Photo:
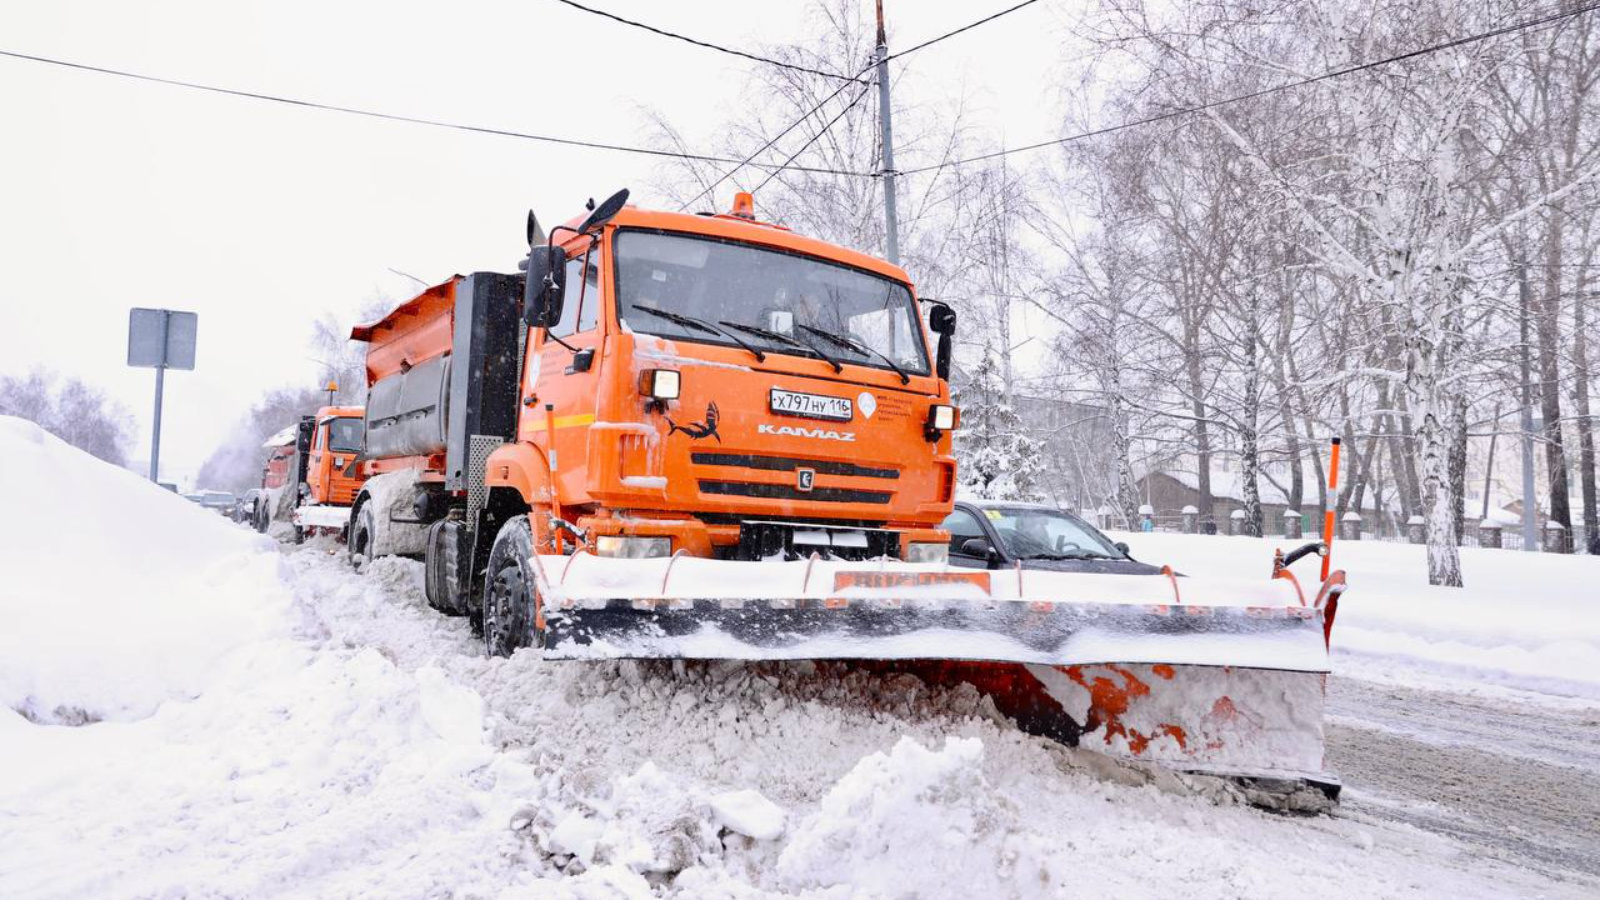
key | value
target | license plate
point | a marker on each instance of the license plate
(812, 406)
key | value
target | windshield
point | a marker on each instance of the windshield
(345, 435)
(725, 285)
(1045, 534)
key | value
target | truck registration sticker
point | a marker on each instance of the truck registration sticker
(812, 406)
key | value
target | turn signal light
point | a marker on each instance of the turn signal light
(660, 384)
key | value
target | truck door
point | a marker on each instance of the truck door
(302, 452)
(569, 381)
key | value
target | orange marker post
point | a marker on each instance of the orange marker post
(1333, 502)
(550, 461)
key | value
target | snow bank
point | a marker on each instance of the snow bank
(117, 594)
(1525, 621)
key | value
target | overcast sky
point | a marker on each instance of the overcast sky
(261, 217)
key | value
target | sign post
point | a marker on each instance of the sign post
(161, 339)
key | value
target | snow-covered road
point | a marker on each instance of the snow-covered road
(269, 723)
(1517, 779)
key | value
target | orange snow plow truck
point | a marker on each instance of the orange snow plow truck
(332, 439)
(706, 437)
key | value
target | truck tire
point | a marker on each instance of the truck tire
(508, 591)
(363, 535)
(444, 569)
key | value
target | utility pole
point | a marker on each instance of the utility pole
(891, 220)
(1530, 530)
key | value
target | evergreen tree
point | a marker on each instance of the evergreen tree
(995, 458)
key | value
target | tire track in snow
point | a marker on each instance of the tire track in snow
(1521, 784)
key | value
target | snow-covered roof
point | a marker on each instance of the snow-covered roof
(282, 438)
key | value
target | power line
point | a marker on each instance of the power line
(820, 132)
(1325, 76)
(395, 117)
(707, 44)
(951, 34)
(763, 148)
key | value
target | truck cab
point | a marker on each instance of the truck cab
(335, 443)
(725, 387)
(332, 477)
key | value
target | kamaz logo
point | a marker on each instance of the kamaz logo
(819, 433)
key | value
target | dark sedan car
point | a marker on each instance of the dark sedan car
(992, 534)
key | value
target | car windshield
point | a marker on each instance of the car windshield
(769, 299)
(1047, 534)
(345, 435)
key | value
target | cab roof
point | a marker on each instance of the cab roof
(753, 231)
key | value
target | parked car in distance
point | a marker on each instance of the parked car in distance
(993, 534)
(220, 502)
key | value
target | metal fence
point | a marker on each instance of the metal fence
(1510, 537)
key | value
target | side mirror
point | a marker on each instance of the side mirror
(544, 293)
(980, 548)
(942, 319)
(1122, 547)
(605, 211)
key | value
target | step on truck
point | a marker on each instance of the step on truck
(708, 437)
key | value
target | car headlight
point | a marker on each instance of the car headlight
(661, 384)
(616, 546)
(920, 552)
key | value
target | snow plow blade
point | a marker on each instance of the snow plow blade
(1226, 679)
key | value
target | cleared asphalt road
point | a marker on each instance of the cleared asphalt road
(1516, 779)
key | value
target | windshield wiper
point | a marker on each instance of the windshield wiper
(700, 325)
(863, 349)
(1077, 554)
(785, 339)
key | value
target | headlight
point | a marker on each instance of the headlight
(941, 418)
(928, 553)
(615, 546)
(660, 384)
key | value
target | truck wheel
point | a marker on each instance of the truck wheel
(508, 593)
(362, 537)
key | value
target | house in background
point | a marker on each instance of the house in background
(1170, 491)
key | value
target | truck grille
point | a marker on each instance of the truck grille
(791, 463)
(787, 492)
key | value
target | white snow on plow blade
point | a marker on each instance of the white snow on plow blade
(686, 577)
(320, 516)
(1299, 650)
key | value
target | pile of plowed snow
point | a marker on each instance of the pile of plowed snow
(117, 594)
